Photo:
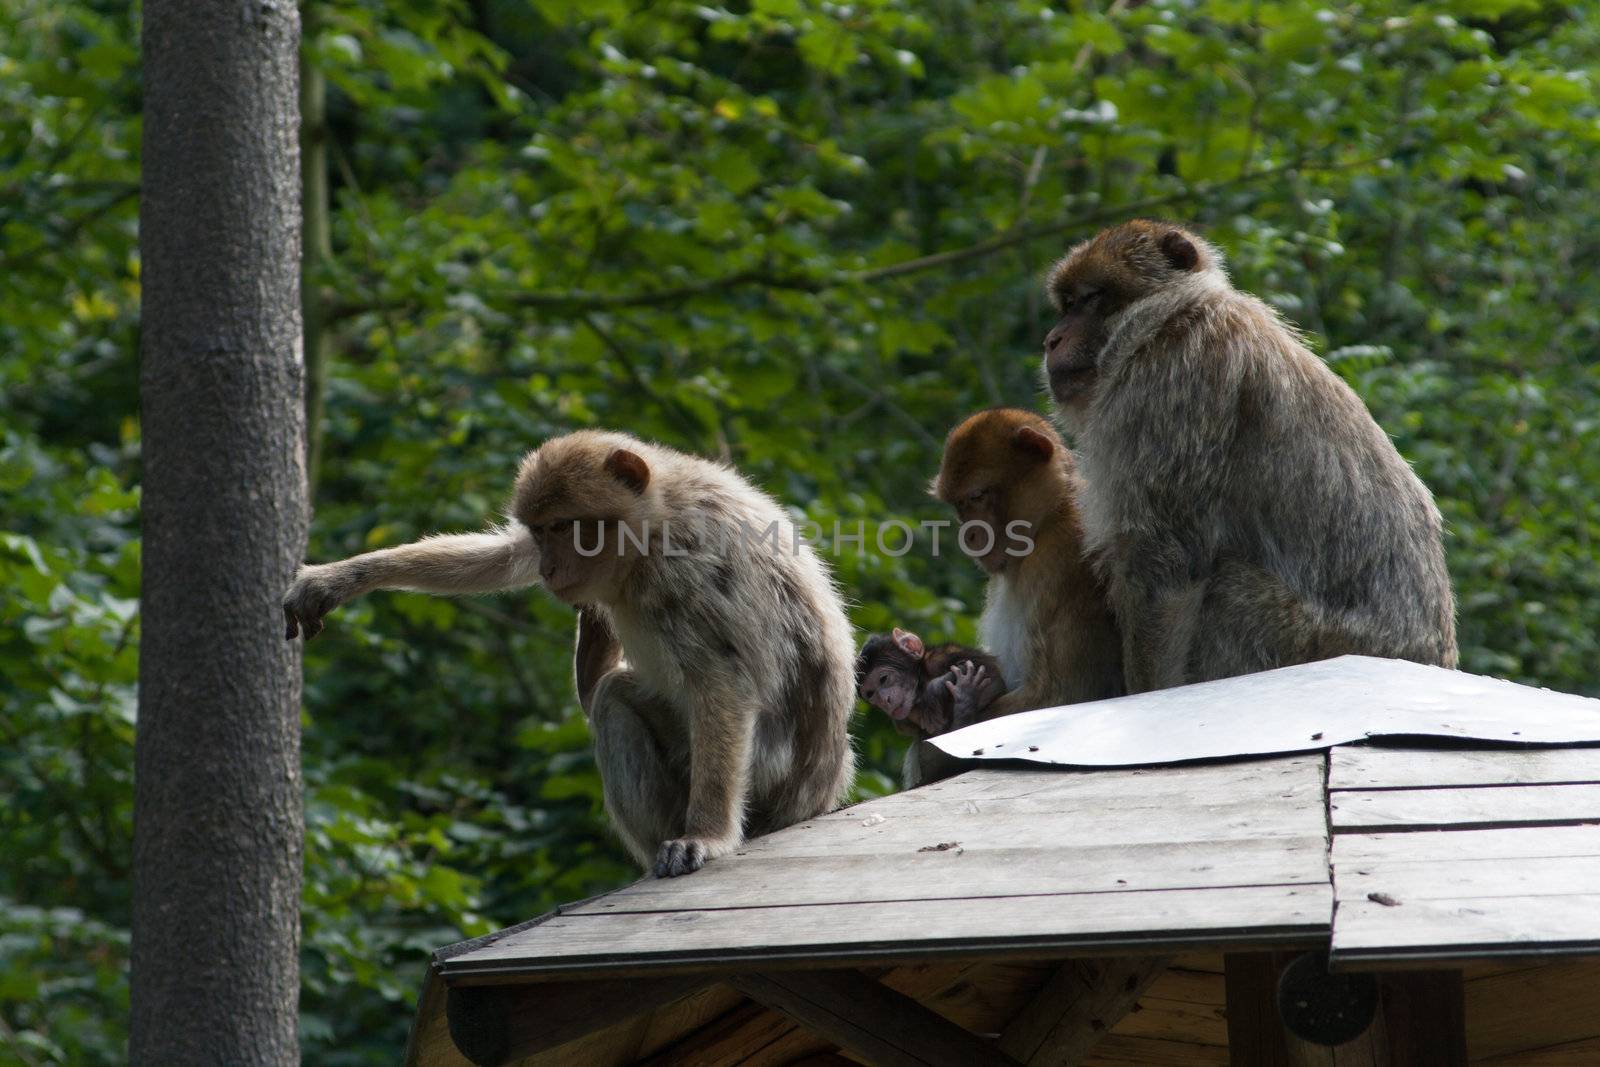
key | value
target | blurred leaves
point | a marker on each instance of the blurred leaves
(804, 236)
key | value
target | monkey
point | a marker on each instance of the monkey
(1243, 506)
(713, 658)
(916, 685)
(1046, 619)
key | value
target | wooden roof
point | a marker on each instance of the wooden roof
(1383, 855)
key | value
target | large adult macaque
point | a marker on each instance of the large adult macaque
(713, 659)
(1247, 511)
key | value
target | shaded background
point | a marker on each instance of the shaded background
(804, 236)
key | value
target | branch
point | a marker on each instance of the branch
(580, 300)
(56, 241)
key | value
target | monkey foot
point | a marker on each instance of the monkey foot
(682, 856)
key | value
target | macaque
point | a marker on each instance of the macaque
(1046, 620)
(713, 656)
(1244, 508)
(926, 691)
(1014, 488)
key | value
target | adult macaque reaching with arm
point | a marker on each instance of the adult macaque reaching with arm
(713, 656)
(1247, 511)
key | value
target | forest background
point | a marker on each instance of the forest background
(805, 236)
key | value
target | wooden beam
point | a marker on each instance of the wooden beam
(497, 1024)
(1424, 1013)
(869, 1019)
(1255, 1033)
(1083, 1000)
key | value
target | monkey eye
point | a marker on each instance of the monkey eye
(975, 497)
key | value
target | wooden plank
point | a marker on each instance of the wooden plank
(1452, 879)
(869, 1019)
(1100, 923)
(1584, 1053)
(1057, 790)
(1081, 1002)
(1255, 1032)
(1117, 1050)
(1485, 806)
(1376, 767)
(1367, 932)
(1427, 846)
(740, 1036)
(761, 879)
(669, 1023)
(978, 997)
(1184, 1003)
(496, 1024)
(1177, 1020)
(1296, 816)
(1534, 1008)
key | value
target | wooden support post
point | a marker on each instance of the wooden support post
(1330, 1020)
(867, 1018)
(1290, 1011)
(1081, 1001)
(1255, 1033)
(1425, 1016)
(497, 1024)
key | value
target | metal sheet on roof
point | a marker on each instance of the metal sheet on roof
(1294, 709)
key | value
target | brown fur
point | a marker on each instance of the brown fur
(1047, 619)
(1245, 509)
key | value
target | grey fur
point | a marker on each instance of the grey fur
(716, 671)
(1247, 510)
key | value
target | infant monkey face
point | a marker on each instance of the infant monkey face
(890, 690)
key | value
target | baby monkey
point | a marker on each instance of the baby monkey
(926, 691)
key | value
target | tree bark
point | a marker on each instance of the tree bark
(316, 251)
(217, 793)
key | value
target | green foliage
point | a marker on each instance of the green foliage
(706, 224)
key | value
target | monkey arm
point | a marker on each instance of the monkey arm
(488, 562)
(598, 652)
(1009, 704)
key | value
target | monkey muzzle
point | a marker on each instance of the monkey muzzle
(894, 701)
(1069, 363)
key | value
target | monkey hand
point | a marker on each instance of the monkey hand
(930, 716)
(316, 591)
(684, 855)
(971, 690)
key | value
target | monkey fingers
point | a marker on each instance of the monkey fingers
(682, 856)
(970, 690)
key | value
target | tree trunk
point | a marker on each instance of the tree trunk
(217, 793)
(317, 252)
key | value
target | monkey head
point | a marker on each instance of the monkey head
(889, 672)
(1099, 279)
(1002, 466)
(576, 494)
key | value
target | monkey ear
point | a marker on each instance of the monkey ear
(1027, 439)
(909, 642)
(1179, 250)
(629, 468)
